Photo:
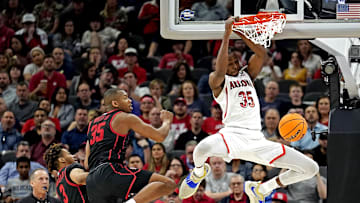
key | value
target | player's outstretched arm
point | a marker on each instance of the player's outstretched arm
(87, 154)
(257, 60)
(217, 77)
(79, 176)
(146, 130)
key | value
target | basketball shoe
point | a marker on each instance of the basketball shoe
(191, 183)
(251, 188)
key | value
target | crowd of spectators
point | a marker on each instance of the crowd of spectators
(58, 57)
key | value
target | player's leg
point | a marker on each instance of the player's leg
(299, 166)
(156, 187)
(96, 186)
(213, 145)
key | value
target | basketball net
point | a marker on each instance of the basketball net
(262, 27)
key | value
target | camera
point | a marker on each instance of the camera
(354, 53)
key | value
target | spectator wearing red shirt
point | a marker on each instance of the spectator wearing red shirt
(199, 196)
(31, 123)
(46, 81)
(149, 16)
(170, 59)
(237, 187)
(32, 127)
(181, 121)
(132, 65)
(146, 104)
(5, 34)
(214, 123)
(118, 59)
(150, 12)
(32, 35)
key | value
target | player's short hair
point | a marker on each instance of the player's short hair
(111, 94)
(52, 155)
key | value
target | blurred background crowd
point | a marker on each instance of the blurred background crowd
(58, 57)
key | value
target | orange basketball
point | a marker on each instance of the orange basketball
(292, 127)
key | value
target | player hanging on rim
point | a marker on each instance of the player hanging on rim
(241, 138)
(109, 178)
(70, 185)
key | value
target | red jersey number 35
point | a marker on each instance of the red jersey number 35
(97, 133)
(247, 99)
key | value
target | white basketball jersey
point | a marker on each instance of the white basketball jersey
(239, 102)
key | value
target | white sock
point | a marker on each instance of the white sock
(269, 186)
(199, 171)
(131, 201)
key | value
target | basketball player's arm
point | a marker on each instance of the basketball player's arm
(87, 154)
(321, 187)
(217, 77)
(146, 130)
(257, 60)
(78, 176)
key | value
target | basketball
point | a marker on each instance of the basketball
(292, 127)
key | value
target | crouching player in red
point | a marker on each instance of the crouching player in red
(71, 182)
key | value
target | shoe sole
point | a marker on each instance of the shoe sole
(186, 191)
(250, 193)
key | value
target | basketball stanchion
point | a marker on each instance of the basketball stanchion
(261, 28)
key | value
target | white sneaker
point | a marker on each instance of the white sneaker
(191, 183)
(251, 188)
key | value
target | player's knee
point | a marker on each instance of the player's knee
(170, 185)
(311, 168)
(202, 148)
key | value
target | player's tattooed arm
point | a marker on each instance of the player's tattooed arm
(79, 176)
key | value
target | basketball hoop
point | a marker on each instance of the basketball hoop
(262, 27)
